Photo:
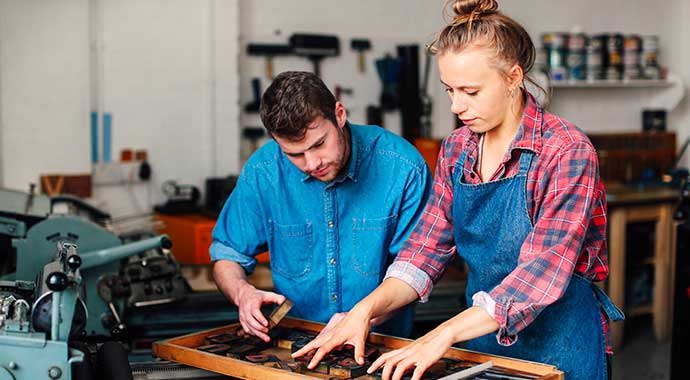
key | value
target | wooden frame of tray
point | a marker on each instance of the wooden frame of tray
(183, 350)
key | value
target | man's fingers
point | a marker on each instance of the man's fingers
(273, 297)
(258, 316)
(255, 324)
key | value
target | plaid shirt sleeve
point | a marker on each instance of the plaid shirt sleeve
(422, 258)
(548, 256)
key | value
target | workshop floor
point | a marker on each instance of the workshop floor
(641, 357)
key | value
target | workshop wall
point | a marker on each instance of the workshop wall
(169, 76)
(44, 89)
(166, 70)
(391, 22)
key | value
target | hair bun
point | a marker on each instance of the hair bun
(468, 10)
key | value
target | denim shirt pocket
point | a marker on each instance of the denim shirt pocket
(291, 249)
(370, 240)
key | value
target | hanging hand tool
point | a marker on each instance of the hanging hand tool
(360, 45)
(254, 105)
(315, 47)
(388, 69)
(269, 51)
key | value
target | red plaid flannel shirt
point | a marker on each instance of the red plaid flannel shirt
(567, 205)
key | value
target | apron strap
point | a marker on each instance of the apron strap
(610, 309)
(525, 161)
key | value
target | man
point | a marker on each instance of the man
(331, 201)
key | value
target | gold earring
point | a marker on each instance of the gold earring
(512, 92)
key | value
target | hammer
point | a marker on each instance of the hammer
(360, 45)
(315, 47)
(269, 51)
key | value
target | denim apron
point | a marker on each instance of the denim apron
(491, 223)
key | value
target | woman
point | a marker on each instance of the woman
(517, 195)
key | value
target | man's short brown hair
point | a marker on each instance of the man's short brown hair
(293, 101)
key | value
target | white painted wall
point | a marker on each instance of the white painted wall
(165, 69)
(680, 118)
(44, 91)
(169, 78)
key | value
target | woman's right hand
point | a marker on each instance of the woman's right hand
(352, 329)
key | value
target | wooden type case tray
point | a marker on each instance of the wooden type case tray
(184, 350)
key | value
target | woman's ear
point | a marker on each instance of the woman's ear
(515, 76)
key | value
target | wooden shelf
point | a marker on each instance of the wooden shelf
(636, 83)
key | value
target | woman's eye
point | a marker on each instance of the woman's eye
(471, 93)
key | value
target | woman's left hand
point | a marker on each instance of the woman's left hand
(418, 356)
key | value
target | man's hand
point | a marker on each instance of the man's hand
(249, 302)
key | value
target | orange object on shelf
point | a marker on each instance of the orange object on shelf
(191, 237)
(429, 149)
(126, 155)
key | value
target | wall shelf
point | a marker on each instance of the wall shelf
(637, 83)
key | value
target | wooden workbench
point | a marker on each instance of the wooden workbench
(630, 205)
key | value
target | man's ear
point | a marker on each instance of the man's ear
(340, 114)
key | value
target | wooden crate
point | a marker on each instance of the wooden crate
(183, 350)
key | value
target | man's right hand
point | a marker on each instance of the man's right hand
(249, 302)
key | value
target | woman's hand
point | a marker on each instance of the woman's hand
(418, 356)
(352, 329)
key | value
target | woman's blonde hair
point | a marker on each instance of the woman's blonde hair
(480, 23)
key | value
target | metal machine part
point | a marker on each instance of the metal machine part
(164, 370)
(20, 202)
(30, 351)
(153, 279)
(101, 255)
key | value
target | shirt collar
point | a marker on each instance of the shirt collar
(352, 171)
(530, 132)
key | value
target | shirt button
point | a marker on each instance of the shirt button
(334, 297)
(330, 224)
(332, 261)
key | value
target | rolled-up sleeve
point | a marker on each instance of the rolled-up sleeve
(240, 232)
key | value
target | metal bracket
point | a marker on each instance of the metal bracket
(12, 227)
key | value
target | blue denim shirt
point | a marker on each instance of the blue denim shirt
(330, 243)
